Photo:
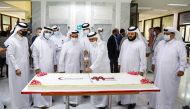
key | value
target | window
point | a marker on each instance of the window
(156, 22)
(6, 22)
(148, 24)
(140, 26)
(167, 21)
(184, 25)
(187, 36)
(163, 22)
(13, 21)
(182, 31)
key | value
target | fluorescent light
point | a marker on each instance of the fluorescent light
(186, 23)
(178, 4)
(162, 10)
(144, 8)
(5, 7)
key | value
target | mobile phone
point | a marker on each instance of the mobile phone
(6, 46)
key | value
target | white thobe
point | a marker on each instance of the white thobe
(18, 58)
(58, 41)
(132, 58)
(100, 64)
(169, 58)
(71, 61)
(85, 43)
(44, 58)
(1, 106)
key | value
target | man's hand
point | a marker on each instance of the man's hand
(180, 73)
(153, 67)
(88, 70)
(147, 54)
(55, 68)
(86, 62)
(85, 53)
(37, 71)
(18, 72)
(2, 50)
(141, 73)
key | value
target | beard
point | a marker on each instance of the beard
(132, 39)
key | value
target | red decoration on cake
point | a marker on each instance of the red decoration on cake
(41, 74)
(133, 73)
(145, 81)
(35, 82)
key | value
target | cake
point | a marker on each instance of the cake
(88, 81)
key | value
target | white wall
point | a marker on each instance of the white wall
(112, 13)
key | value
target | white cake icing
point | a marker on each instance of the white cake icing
(77, 81)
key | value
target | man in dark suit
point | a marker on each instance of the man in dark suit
(113, 50)
(121, 36)
(38, 32)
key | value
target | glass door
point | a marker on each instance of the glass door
(134, 16)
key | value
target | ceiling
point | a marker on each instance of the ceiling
(156, 8)
(5, 7)
(19, 9)
(147, 8)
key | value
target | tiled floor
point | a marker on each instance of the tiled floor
(183, 97)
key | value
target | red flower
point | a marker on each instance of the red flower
(35, 82)
(41, 74)
(145, 81)
(133, 73)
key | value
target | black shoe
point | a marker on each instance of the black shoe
(119, 103)
(131, 106)
(134, 105)
(5, 107)
(101, 107)
(86, 96)
(43, 107)
(73, 105)
(32, 104)
(53, 100)
(186, 107)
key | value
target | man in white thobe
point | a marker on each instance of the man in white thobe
(99, 64)
(44, 59)
(58, 40)
(71, 61)
(170, 62)
(83, 38)
(18, 61)
(100, 31)
(132, 58)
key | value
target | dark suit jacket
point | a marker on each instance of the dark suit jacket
(119, 38)
(113, 53)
